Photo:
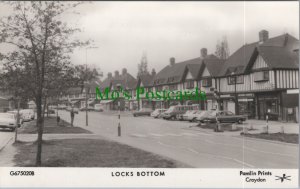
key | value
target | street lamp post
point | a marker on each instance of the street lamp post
(86, 81)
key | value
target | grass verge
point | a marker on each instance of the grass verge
(51, 127)
(89, 153)
(224, 126)
(282, 137)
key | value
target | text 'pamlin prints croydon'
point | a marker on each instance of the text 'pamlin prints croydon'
(150, 95)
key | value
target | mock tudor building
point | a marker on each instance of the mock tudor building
(264, 77)
(125, 81)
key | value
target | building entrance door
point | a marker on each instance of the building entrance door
(266, 104)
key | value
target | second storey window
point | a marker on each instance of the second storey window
(236, 80)
(158, 88)
(261, 76)
(189, 84)
(173, 87)
(206, 82)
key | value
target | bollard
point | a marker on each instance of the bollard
(119, 129)
(233, 127)
(245, 130)
(251, 127)
(282, 129)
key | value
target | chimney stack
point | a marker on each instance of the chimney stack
(109, 75)
(172, 61)
(153, 73)
(263, 36)
(203, 52)
(116, 73)
(124, 71)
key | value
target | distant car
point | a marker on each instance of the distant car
(225, 117)
(99, 108)
(9, 120)
(28, 114)
(142, 112)
(190, 115)
(201, 115)
(176, 112)
(61, 107)
(158, 113)
(88, 108)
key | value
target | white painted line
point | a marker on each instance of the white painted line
(222, 157)
(155, 134)
(138, 135)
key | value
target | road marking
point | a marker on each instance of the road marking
(189, 134)
(166, 145)
(157, 135)
(222, 157)
(248, 148)
(138, 135)
(172, 134)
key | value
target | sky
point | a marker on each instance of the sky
(124, 31)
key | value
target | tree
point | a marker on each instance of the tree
(86, 73)
(41, 55)
(143, 66)
(222, 48)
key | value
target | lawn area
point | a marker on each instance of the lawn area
(51, 127)
(282, 137)
(89, 153)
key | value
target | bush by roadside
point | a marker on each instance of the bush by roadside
(89, 153)
(51, 127)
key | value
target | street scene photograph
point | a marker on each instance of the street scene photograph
(150, 84)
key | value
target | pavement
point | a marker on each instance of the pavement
(6, 150)
(190, 145)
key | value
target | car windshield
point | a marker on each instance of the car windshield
(7, 115)
(170, 109)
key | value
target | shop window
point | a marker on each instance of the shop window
(207, 82)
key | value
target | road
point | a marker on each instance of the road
(195, 148)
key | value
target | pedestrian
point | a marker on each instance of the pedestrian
(72, 115)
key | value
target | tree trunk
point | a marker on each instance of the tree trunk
(39, 124)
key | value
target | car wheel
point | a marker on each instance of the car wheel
(13, 129)
(194, 120)
(240, 121)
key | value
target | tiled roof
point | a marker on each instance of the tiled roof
(126, 81)
(146, 80)
(175, 73)
(278, 52)
(214, 65)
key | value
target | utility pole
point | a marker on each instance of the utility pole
(86, 82)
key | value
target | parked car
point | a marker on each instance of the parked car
(201, 115)
(15, 112)
(225, 117)
(176, 112)
(158, 113)
(9, 121)
(61, 107)
(99, 108)
(190, 115)
(142, 112)
(28, 114)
